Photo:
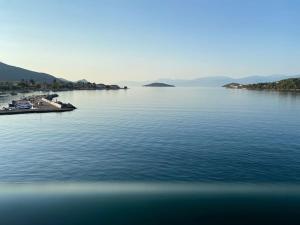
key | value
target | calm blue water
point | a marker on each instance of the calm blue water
(157, 134)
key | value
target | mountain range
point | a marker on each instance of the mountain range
(213, 81)
(13, 73)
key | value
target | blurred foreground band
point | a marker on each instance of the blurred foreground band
(148, 203)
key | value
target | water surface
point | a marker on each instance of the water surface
(157, 134)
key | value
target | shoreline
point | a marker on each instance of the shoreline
(266, 89)
(16, 92)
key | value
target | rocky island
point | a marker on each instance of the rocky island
(291, 84)
(158, 85)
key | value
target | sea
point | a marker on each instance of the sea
(154, 156)
(179, 134)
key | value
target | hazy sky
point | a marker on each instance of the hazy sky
(113, 40)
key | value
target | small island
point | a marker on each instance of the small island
(291, 84)
(158, 85)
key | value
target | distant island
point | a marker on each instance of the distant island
(158, 85)
(15, 80)
(291, 84)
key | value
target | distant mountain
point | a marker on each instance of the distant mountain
(12, 73)
(216, 81)
(219, 81)
(158, 85)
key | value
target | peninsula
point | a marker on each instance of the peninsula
(18, 80)
(158, 85)
(291, 84)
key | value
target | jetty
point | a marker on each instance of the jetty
(37, 104)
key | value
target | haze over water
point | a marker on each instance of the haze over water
(157, 134)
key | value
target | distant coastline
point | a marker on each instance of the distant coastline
(27, 86)
(15, 80)
(291, 84)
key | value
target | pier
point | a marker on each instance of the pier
(37, 104)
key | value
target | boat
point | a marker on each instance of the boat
(22, 104)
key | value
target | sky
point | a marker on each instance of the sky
(116, 40)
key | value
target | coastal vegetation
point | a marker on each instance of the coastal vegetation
(291, 84)
(56, 85)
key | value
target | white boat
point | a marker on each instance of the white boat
(23, 105)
